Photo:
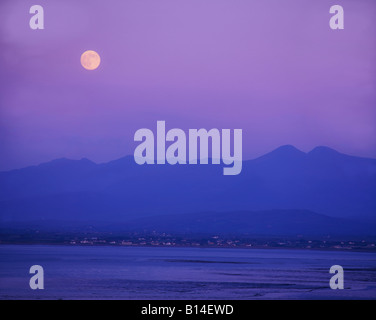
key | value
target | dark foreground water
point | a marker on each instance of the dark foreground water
(74, 272)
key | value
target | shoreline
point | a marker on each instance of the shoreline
(359, 250)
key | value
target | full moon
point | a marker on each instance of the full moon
(90, 60)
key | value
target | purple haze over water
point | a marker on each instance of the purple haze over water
(183, 273)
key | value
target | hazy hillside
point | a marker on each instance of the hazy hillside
(323, 181)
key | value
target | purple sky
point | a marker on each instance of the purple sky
(272, 68)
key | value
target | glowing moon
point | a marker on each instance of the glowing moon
(90, 60)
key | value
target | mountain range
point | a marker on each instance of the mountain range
(322, 181)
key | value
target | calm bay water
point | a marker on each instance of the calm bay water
(77, 272)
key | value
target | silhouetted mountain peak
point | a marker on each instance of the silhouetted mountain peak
(64, 162)
(284, 153)
(288, 149)
(323, 181)
(322, 150)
